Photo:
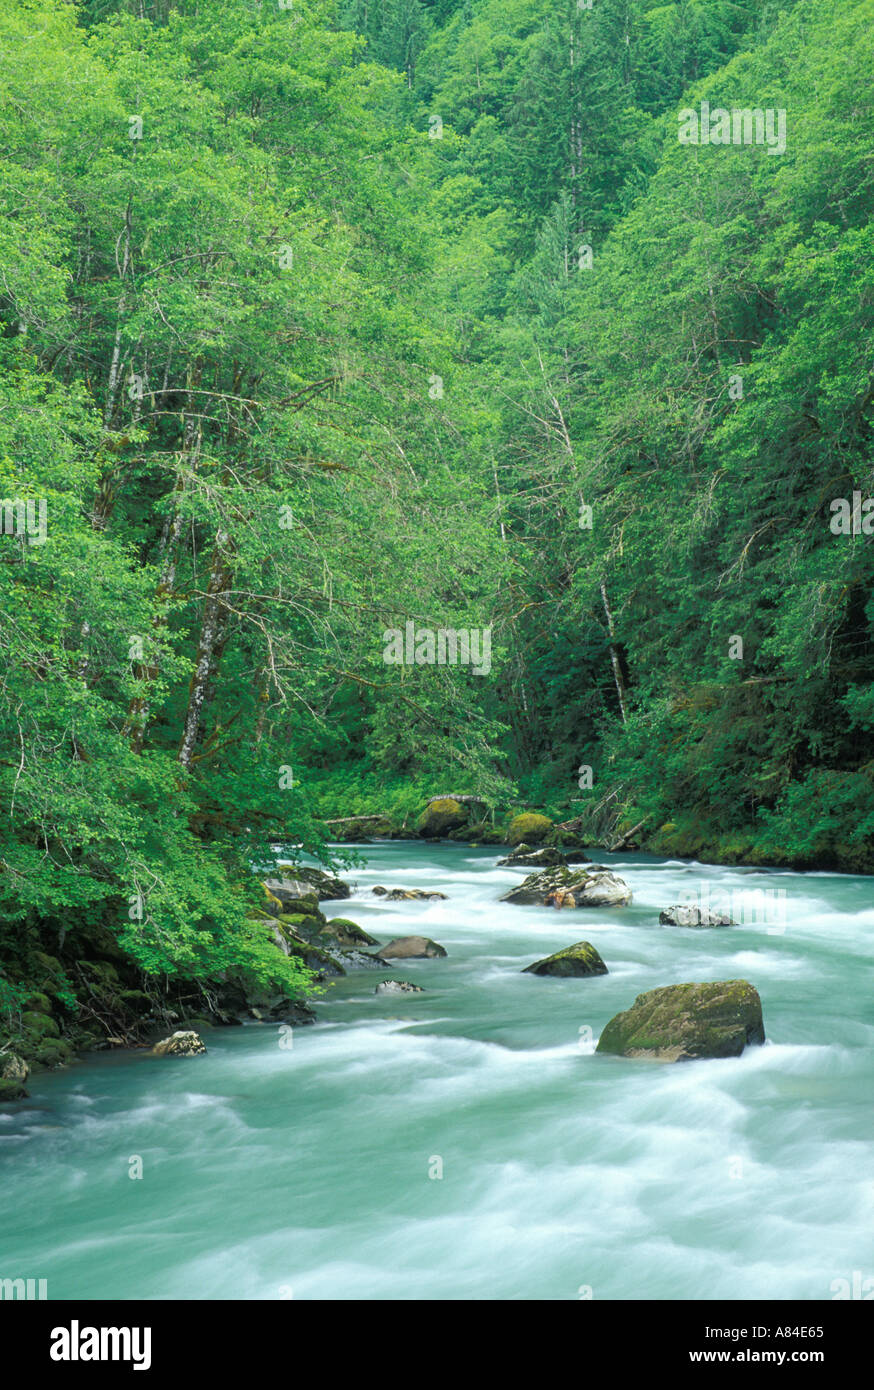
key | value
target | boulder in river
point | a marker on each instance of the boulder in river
(683, 1022)
(347, 933)
(301, 881)
(529, 828)
(595, 887)
(524, 857)
(397, 895)
(410, 947)
(688, 915)
(181, 1044)
(352, 959)
(579, 959)
(439, 817)
(398, 987)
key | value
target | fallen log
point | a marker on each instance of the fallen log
(455, 796)
(347, 820)
(623, 839)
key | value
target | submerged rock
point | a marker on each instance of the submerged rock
(524, 857)
(579, 959)
(686, 915)
(439, 817)
(397, 895)
(397, 987)
(410, 947)
(680, 1022)
(595, 887)
(182, 1044)
(528, 828)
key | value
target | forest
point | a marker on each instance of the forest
(544, 326)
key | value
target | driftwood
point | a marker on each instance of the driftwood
(623, 839)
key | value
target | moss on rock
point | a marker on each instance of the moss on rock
(528, 828)
(680, 1022)
(347, 933)
(577, 960)
(441, 817)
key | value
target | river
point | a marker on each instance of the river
(467, 1143)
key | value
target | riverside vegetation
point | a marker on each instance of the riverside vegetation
(322, 321)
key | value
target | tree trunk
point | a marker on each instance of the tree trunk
(614, 657)
(208, 646)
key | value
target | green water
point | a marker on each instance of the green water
(310, 1171)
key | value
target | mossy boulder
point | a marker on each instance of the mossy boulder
(579, 959)
(323, 965)
(529, 829)
(39, 1026)
(307, 906)
(11, 1090)
(347, 933)
(441, 817)
(302, 924)
(39, 1003)
(52, 1052)
(688, 1021)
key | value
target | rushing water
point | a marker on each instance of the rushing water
(311, 1171)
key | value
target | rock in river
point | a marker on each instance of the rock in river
(524, 857)
(398, 895)
(183, 1044)
(347, 933)
(688, 915)
(410, 947)
(681, 1022)
(298, 882)
(595, 887)
(397, 987)
(580, 959)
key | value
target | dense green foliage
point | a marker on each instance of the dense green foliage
(321, 319)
